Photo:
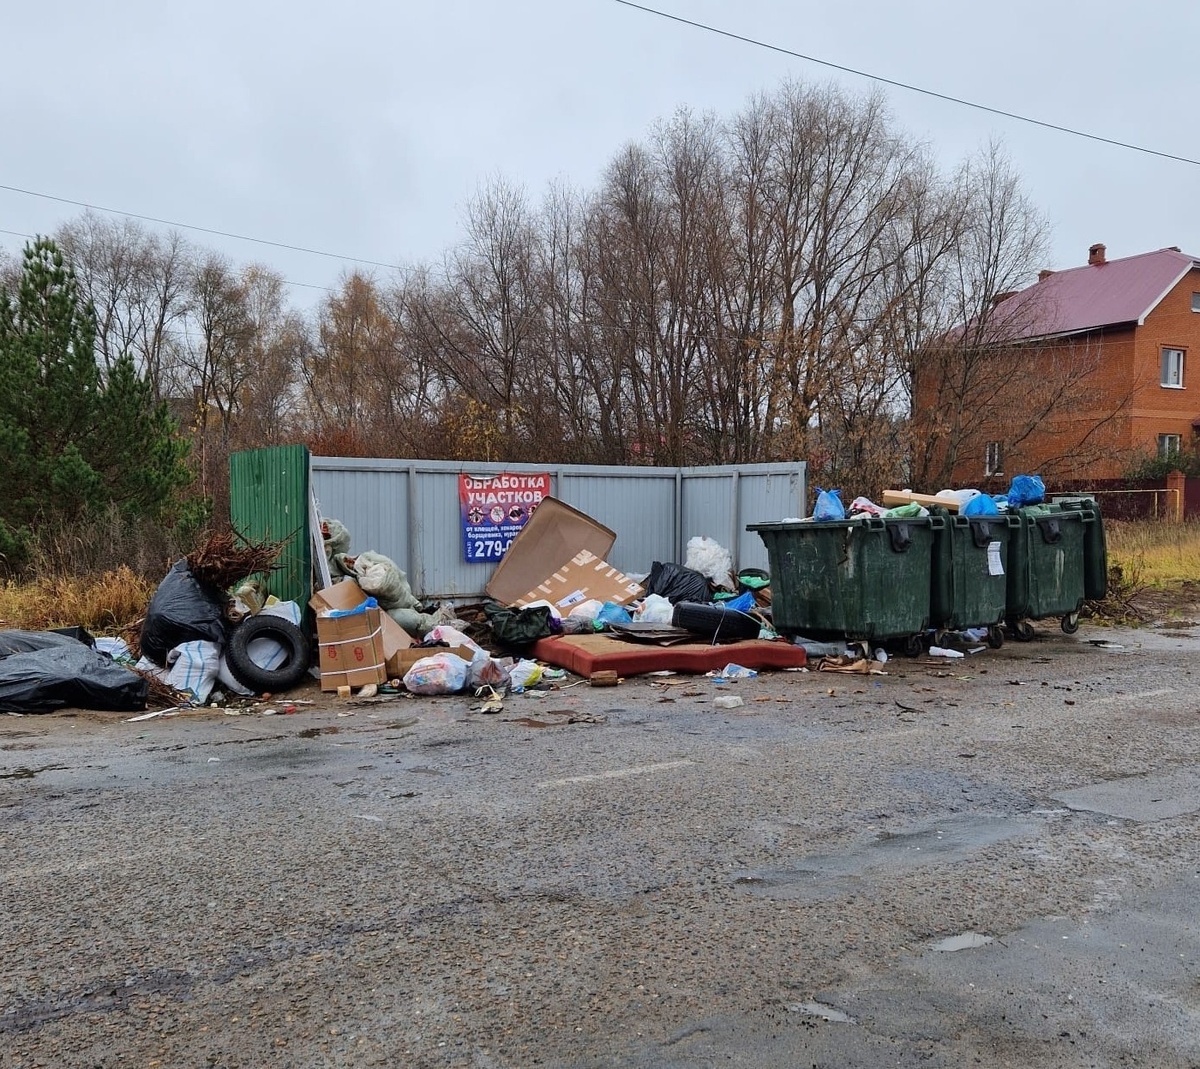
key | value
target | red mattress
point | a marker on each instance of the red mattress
(585, 654)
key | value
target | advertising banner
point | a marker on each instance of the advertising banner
(494, 508)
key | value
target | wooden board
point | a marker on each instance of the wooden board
(892, 498)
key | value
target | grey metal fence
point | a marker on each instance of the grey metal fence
(408, 510)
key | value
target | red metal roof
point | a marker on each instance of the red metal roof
(1096, 295)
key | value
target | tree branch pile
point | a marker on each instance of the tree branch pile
(221, 562)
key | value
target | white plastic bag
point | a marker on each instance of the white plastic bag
(709, 558)
(443, 673)
(523, 675)
(452, 636)
(586, 610)
(655, 609)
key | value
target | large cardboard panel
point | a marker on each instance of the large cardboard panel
(351, 650)
(552, 537)
(346, 595)
(583, 578)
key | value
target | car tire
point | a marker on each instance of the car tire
(268, 680)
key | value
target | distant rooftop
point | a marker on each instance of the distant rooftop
(1102, 293)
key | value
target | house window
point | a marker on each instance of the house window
(1172, 369)
(1196, 302)
(994, 464)
(1168, 445)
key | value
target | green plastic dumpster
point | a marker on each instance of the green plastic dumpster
(970, 573)
(1046, 567)
(866, 578)
(1095, 550)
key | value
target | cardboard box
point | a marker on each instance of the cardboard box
(551, 538)
(584, 577)
(346, 595)
(351, 649)
(405, 659)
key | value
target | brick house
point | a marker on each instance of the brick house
(1130, 330)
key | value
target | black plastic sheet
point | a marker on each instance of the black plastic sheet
(41, 672)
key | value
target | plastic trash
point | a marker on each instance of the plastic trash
(940, 651)
(980, 505)
(586, 610)
(728, 701)
(710, 559)
(182, 610)
(655, 609)
(48, 672)
(737, 671)
(865, 505)
(443, 673)
(1026, 490)
(523, 675)
(910, 511)
(829, 505)
(677, 583)
(611, 613)
(816, 648)
(742, 603)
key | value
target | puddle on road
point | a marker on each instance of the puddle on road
(819, 1009)
(965, 941)
(947, 842)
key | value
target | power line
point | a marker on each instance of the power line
(198, 229)
(905, 85)
(285, 281)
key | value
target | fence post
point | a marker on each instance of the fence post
(1176, 481)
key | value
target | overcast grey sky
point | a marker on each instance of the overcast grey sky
(362, 128)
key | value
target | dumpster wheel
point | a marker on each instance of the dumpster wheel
(914, 646)
(1021, 630)
(1070, 623)
(995, 636)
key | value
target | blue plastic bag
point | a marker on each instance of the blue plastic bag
(611, 613)
(1026, 490)
(981, 505)
(742, 603)
(829, 505)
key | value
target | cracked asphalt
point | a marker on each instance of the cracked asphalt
(646, 881)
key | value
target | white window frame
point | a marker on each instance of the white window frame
(1168, 444)
(993, 461)
(1167, 372)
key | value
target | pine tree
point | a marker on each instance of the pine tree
(71, 442)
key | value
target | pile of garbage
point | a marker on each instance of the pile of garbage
(373, 632)
(196, 634)
(904, 504)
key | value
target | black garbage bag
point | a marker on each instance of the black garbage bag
(677, 583)
(50, 675)
(182, 610)
(26, 641)
(521, 627)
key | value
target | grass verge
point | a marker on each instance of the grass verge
(103, 603)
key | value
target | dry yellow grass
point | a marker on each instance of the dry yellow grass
(101, 603)
(1159, 554)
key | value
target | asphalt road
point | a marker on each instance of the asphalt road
(992, 861)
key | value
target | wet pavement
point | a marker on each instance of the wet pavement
(992, 860)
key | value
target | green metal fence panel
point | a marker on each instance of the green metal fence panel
(268, 499)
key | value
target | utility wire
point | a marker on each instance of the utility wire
(198, 229)
(905, 85)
